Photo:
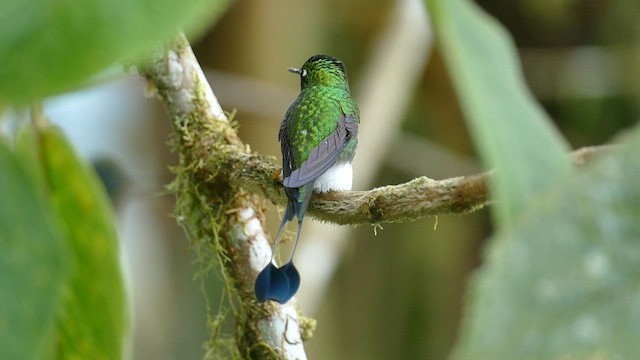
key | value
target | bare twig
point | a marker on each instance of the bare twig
(588, 153)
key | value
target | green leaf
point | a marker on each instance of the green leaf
(50, 46)
(92, 319)
(34, 264)
(563, 284)
(511, 131)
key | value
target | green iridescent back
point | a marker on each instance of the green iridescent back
(324, 99)
(314, 115)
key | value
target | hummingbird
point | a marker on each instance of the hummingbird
(318, 138)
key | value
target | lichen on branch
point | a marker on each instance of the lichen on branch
(225, 223)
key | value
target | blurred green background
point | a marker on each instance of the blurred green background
(395, 295)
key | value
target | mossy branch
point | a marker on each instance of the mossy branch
(408, 201)
(225, 223)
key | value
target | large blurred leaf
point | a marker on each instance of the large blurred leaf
(92, 319)
(34, 264)
(512, 132)
(47, 46)
(564, 284)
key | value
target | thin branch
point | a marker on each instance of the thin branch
(409, 201)
(588, 153)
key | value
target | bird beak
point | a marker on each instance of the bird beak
(295, 70)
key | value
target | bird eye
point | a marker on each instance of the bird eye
(303, 73)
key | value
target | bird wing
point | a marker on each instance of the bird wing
(321, 157)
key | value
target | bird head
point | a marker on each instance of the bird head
(322, 70)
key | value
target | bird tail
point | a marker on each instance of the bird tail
(302, 198)
(289, 213)
(280, 284)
